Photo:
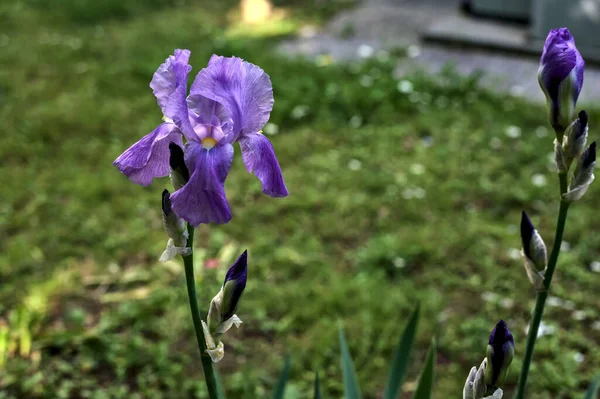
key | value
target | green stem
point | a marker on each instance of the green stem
(542, 295)
(207, 365)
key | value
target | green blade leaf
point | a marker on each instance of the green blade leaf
(425, 385)
(592, 392)
(401, 357)
(351, 387)
(317, 388)
(283, 378)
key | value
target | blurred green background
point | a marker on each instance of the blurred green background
(404, 189)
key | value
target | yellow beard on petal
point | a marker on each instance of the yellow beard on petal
(208, 143)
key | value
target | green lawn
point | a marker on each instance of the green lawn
(394, 198)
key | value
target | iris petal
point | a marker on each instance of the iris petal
(149, 157)
(259, 158)
(242, 88)
(202, 199)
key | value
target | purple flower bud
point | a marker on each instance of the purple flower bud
(589, 156)
(234, 285)
(500, 352)
(533, 244)
(561, 76)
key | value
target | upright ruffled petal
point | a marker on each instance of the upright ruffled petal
(171, 74)
(243, 88)
(202, 199)
(149, 157)
(259, 157)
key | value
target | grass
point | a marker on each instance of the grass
(395, 197)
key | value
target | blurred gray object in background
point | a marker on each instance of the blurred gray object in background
(582, 17)
(513, 9)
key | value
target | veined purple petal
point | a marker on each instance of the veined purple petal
(202, 199)
(243, 88)
(259, 157)
(171, 74)
(559, 58)
(149, 157)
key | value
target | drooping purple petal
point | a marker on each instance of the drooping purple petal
(560, 58)
(170, 75)
(202, 199)
(149, 157)
(243, 88)
(260, 159)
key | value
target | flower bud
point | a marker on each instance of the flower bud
(179, 172)
(468, 389)
(534, 252)
(479, 385)
(583, 175)
(561, 77)
(221, 315)
(575, 138)
(500, 352)
(175, 229)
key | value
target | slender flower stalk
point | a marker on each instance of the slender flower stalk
(542, 295)
(561, 78)
(207, 364)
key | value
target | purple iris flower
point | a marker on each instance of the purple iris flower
(229, 101)
(561, 75)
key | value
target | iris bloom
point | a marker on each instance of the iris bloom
(561, 76)
(229, 101)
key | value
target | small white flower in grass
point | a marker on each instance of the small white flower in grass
(354, 164)
(405, 86)
(271, 129)
(595, 266)
(417, 169)
(489, 296)
(419, 192)
(578, 357)
(407, 193)
(507, 303)
(365, 51)
(514, 253)
(555, 302)
(300, 111)
(366, 81)
(355, 122)
(399, 262)
(544, 329)
(513, 131)
(565, 246)
(579, 315)
(413, 51)
(538, 180)
(541, 131)
(596, 325)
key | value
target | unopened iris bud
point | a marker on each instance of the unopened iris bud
(575, 138)
(179, 172)
(561, 77)
(175, 229)
(583, 175)
(475, 387)
(534, 252)
(221, 314)
(500, 352)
